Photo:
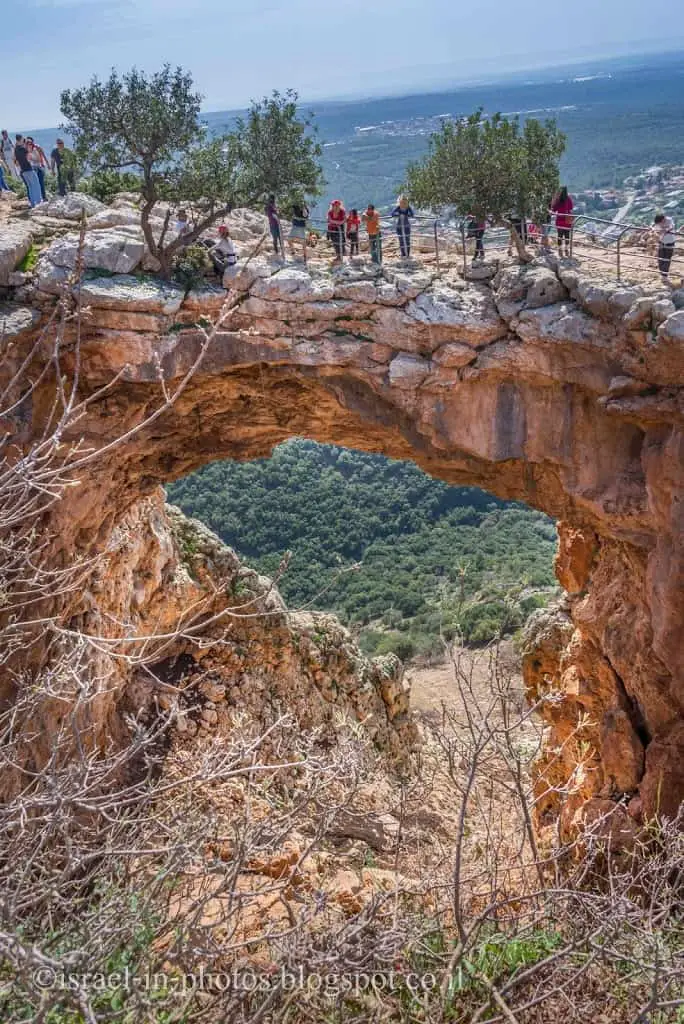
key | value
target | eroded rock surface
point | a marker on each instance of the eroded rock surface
(539, 386)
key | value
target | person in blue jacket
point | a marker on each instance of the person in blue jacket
(404, 213)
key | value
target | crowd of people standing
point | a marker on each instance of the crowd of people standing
(342, 229)
(25, 159)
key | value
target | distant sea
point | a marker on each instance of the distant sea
(619, 116)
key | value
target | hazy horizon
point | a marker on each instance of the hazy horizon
(438, 87)
(326, 53)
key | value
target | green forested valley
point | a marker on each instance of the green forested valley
(401, 558)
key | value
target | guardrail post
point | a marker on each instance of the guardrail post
(618, 248)
(436, 245)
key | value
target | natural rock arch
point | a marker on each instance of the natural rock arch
(537, 386)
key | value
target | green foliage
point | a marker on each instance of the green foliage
(489, 167)
(191, 265)
(436, 561)
(133, 121)
(151, 125)
(278, 151)
(16, 184)
(105, 184)
(30, 259)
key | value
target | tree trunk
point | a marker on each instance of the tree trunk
(523, 255)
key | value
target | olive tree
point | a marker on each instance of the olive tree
(490, 167)
(151, 125)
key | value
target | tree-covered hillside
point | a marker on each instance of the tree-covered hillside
(433, 559)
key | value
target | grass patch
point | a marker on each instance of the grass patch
(30, 259)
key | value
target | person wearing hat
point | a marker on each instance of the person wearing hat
(223, 251)
(337, 217)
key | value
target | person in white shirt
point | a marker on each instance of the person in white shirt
(664, 229)
(223, 252)
(182, 225)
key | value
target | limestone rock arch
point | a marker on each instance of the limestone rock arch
(537, 386)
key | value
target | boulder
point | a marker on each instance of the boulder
(131, 295)
(73, 205)
(481, 272)
(470, 313)
(607, 300)
(454, 354)
(672, 329)
(247, 225)
(293, 285)
(51, 279)
(114, 217)
(16, 319)
(408, 371)
(638, 315)
(16, 238)
(527, 287)
(118, 250)
(662, 309)
(241, 277)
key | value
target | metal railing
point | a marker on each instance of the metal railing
(424, 230)
(594, 239)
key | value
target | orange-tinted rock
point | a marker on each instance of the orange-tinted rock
(534, 416)
(576, 552)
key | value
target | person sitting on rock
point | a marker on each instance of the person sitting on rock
(223, 251)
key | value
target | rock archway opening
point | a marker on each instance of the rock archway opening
(406, 562)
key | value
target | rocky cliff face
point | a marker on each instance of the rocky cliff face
(535, 384)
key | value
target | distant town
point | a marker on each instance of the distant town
(655, 188)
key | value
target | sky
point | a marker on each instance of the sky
(241, 50)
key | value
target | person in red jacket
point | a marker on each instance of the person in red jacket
(562, 206)
(337, 217)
